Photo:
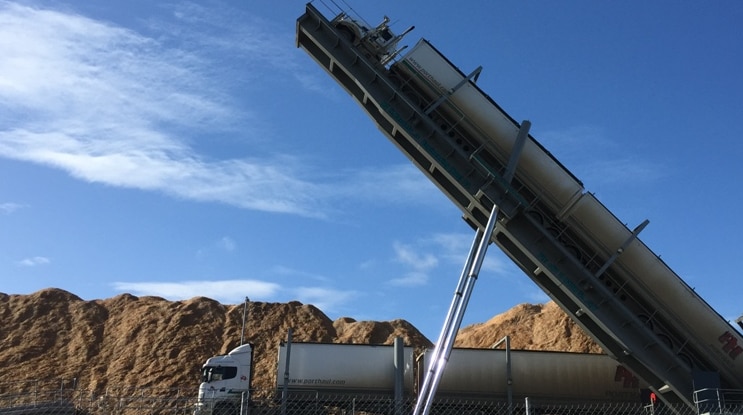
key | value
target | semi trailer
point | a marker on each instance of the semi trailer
(327, 372)
(561, 236)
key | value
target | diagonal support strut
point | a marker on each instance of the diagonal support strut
(465, 286)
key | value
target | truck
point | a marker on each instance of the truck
(225, 382)
(372, 376)
(561, 236)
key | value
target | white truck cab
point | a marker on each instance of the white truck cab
(225, 382)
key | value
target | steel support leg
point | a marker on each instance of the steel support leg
(443, 347)
(462, 295)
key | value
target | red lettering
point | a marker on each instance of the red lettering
(626, 377)
(730, 344)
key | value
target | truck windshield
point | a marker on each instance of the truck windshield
(214, 373)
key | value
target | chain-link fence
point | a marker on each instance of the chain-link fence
(63, 398)
(59, 397)
(719, 401)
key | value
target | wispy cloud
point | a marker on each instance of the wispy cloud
(454, 248)
(214, 247)
(224, 291)
(34, 261)
(327, 299)
(626, 170)
(598, 160)
(423, 256)
(400, 183)
(228, 244)
(113, 106)
(285, 271)
(9, 207)
(418, 265)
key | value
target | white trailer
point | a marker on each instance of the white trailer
(328, 369)
(374, 375)
(470, 115)
(659, 298)
(544, 377)
(679, 318)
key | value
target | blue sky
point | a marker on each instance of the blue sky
(184, 149)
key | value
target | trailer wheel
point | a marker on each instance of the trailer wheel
(685, 357)
(395, 79)
(646, 320)
(665, 339)
(414, 98)
(347, 34)
(536, 216)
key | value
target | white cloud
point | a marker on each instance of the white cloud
(411, 279)
(9, 207)
(224, 291)
(598, 160)
(34, 261)
(234, 292)
(627, 170)
(253, 39)
(444, 250)
(454, 248)
(110, 105)
(326, 299)
(228, 244)
(401, 183)
(418, 264)
(573, 140)
(285, 271)
(406, 255)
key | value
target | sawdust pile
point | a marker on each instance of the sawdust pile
(530, 327)
(129, 341)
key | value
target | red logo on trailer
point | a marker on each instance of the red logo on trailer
(626, 377)
(730, 344)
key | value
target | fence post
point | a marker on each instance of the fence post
(244, 405)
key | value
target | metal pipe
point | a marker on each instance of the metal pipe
(425, 389)
(399, 360)
(285, 389)
(509, 380)
(465, 287)
(469, 285)
(245, 313)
